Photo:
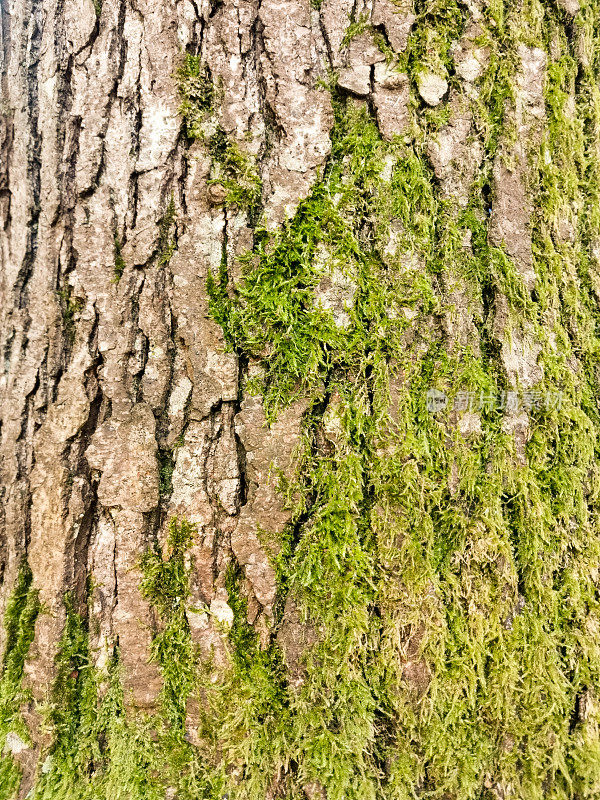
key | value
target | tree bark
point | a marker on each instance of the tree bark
(299, 399)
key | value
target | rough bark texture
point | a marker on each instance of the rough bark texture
(244, 244)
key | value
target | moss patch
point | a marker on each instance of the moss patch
(196, 92)
(19, 624)
(451, 584)
(166, 585)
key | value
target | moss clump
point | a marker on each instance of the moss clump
(102, 750)
(235, 171)
(249, 718)
(166, 466)
(275, 316)
(242, 635)
(70, 307)
(120, 264)
(165, 583)
(196, 92)
(73, 712)
(19, 624)
(438, 25)
(450, 578)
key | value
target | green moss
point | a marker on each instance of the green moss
(120, 264)
(356, 28)
(166, 584)
(19, 626)
(235, 171)
(70, 307)
(19, 623)
(438, 25)
(102, 750)
(249, 717)
(73, 710)
(166, 242)
(450, 582)
(166, 466)
(219, 302)
(196, 92)
(242, 635)
(276, 313)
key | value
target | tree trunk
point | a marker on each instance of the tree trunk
(299, 399)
